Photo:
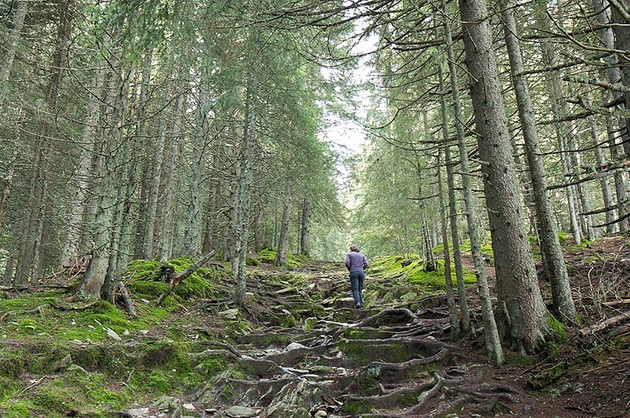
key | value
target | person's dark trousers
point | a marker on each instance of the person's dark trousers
(357, 277)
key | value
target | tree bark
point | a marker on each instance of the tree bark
(620, 9)
(452, 206)
(29, 259)
(12, 44)
(283, 243)
(192, 232)
(550, 243)
(523, 316)
(453, 313)
(104, 169)
(492, 339)
(73, 248)
(616, 126)
(245, 184)
(305, 232)
(164, 240)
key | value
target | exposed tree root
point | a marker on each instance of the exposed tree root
(390, 312)
(440, 355)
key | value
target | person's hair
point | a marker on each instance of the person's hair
(354, 248)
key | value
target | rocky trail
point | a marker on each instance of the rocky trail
(337, 361)
(299, 348)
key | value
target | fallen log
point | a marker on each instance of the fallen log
(605, 324)
(175, 279)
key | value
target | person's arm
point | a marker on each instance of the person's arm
(365, 263)
(347, 262)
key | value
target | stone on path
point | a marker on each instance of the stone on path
(241, 412)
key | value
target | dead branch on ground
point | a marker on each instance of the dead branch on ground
(175, 279)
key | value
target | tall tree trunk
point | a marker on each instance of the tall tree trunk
(305, 230)
(127, 179)
(11, 48)
(452, 204)
(73, 248)
(554, 264)
(453, 313)
(215, 208)
(615, 125)
(620, 16)
(142, 248)
(8, 176)
(29, 260)
(104, 170)
(164, 240)
(564, 131)
(148, 250)
(492, 340)
(245, 185)
(192, 232)
(522, 312)
(283, 242)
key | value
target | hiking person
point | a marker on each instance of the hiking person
(356, 264)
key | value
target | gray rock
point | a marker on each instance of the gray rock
(60, 364)
(166, 402)
(229, 314)
(241, 412)
(294, 346)
(138, 412)
(112, 334)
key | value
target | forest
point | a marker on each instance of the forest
(182, 179)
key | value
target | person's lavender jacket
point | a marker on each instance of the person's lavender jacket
(356, 261)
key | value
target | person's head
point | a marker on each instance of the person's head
(354, 248)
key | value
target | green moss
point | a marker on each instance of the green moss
(268, 255)
(147, 289)
(16, 408)
(556, 326)
(357, 407)
(160, 382)
(548, 376)
(7, 387)
(146, 270)
(212, 366)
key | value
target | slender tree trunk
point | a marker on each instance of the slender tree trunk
(305, 235)
(148, 250)
(492, 339)
(457, 256)
(8, 176)
(245, 185)
(616, 125)
(126, 179)
(192, 238)
(283, 242)
(73, 248)
(104, 171)
(550, 243)
(29, 260)
(453, 312)
(563, 130)
(620, 12)
(165, 240)
(259, 227)
(523, 315)
(11, 48)
(604, 183)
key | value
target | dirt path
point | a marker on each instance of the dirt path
(327, 359)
